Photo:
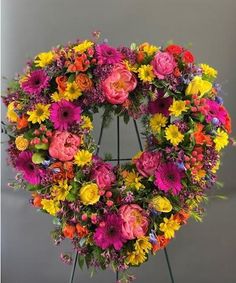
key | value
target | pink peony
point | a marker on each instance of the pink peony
(148, 162)
(163, 64)
(64, 145)
(135, 222)
(118, 84)
(104, 176)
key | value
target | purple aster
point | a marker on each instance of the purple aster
(31, 172)
(107, 54)
(109, 233)
(168, 178)
(64, 114)
(160, 105)
(36, 82)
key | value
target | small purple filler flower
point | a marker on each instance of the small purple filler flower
(109, 233)
(31, 172)
(36, 82)
(64, 113)
(107, 54)
(168, 178)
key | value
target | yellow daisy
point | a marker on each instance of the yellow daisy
(157, 121)
(57, 96)
(145, 73)
(132, 181)
(39, 114)
(83, 157)
(177, 107)
(43, 59)
(173, 134)
(86, 123)
(72, 91)
(136, 258)
(169, 226)
(82, 47)
(208, 70)
(142, 244)
(150, 49)
(221, 140)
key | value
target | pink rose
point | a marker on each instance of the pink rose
(118, 85)
(104, 176)
(163, 64)
(148, 162)
(64, 145)
(135, 222)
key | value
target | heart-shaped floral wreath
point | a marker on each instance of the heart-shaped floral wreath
(116, 214)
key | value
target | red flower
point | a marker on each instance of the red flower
(174, 49)
(69, 231)
(161, 243)
(188, 57)
(81, 231)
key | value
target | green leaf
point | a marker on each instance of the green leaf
(33, 188)
(71, 78)
(81, 261)
(71, 197)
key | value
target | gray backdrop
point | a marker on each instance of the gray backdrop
(201, 253)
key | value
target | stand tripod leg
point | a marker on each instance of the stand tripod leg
(165, 250)
(73, 268)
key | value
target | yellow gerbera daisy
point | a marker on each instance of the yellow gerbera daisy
(43, 59)
(57, 96)
(130, 67)
(39, 114)
(72, 91)
(60, 191)
(157, 121)
(173, 134)
(136, 258)
(82, 47)
(208, 70)
(83, 157)
(51, 206)
(177, 107)
(145, 73)
(132, 180)
(150, 49)
(221, 140)
(169, 226)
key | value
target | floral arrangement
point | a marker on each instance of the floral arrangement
(116, 215)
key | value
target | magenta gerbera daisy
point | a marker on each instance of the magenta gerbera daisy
(109, 233)
(216, 112)
(31, 172)
(64, 114)
(35, 82)
(107, 54)
(168, 177)
(160, 105)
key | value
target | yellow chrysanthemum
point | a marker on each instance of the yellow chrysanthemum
(198, 86)
(216, 167)
(173, 134)
(89, 194)
(145, 73)
(72, 91)
(60, 191)
(136, 258)
(43, 59)
(161, 204)
(157, 121)
(57, 96)
(86, 123)
(39, 114)
(208, 70)
(150, 49)
(177, 107)
(21, 143)
(221, 140)
(142, 244)
(132, 181)
(82, 47)
(169, 226)
(11, 114)
(51, 206)
(130, 67)
(83, 157)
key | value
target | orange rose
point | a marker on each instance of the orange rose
(22, 122)
(61, 83)
(69, 231)
(83, 82)
(81, 231)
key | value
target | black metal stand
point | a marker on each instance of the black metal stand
(118, 159)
